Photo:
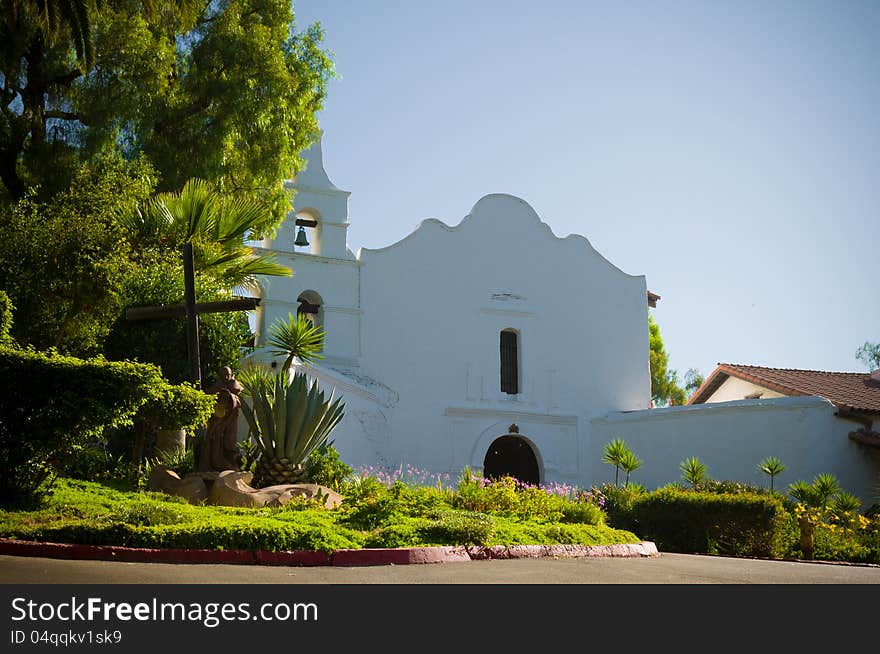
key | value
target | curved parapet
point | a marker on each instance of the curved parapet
(504, 212)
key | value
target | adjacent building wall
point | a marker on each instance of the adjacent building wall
(731, 438)
(734, 388)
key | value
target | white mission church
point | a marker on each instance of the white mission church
(458, 346)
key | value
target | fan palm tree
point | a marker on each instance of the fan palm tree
(216, 225)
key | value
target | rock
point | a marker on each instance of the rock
(233, 489)
(331, 498)
(164, 480)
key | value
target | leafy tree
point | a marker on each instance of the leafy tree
(216, 225)
(693, 379)
(6, 309)
(665, 388)
(223, 90)
(157, 279)
(64, 258)
(869, 354)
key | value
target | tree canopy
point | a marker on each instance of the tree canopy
(869, 354)
(666, 388)
(119, 121)
(222, 90)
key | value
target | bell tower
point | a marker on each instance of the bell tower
(318, 223)
(324, 288)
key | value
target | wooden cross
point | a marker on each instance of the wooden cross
(191, 310)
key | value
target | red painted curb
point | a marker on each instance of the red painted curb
(357, 557)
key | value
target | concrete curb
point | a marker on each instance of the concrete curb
(358, 557)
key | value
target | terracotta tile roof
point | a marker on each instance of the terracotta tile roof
(852, 391)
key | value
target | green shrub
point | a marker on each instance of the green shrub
(406, 533)
(51, 403)
(324, 467)
(497, 496)
(714, 523)
(582, 512)
(451, 527)
(149, 514)
(727, 486)
(54, 408)
(96, 462)
(618, 504)
(176, 406)
(6, 309)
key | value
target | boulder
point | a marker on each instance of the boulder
(232, 489)
(164, 480)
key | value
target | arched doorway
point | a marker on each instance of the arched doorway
(511, 455)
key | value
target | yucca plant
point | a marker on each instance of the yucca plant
(614, 454)
(288, 420)
(296, 339)
(693, 471)
(771, 466)
(630, 463)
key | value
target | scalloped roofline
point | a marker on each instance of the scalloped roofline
(434, 222)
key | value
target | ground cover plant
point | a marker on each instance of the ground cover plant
(378, 511)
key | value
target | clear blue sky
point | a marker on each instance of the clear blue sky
(728, 151)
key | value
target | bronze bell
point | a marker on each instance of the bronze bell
(301, 239)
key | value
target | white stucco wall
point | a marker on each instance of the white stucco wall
(732, 438)
(734, 388)
(433, 308)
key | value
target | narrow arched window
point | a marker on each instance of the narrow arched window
(509, 362)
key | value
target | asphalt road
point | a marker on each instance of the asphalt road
(664, 569)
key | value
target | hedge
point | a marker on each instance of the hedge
(51, 403)
(741, 524)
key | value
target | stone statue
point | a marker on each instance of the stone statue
(219, 449)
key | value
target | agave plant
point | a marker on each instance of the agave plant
(288, 419)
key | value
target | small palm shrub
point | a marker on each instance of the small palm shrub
(618, 454)
(772, 467)
(693, 471)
